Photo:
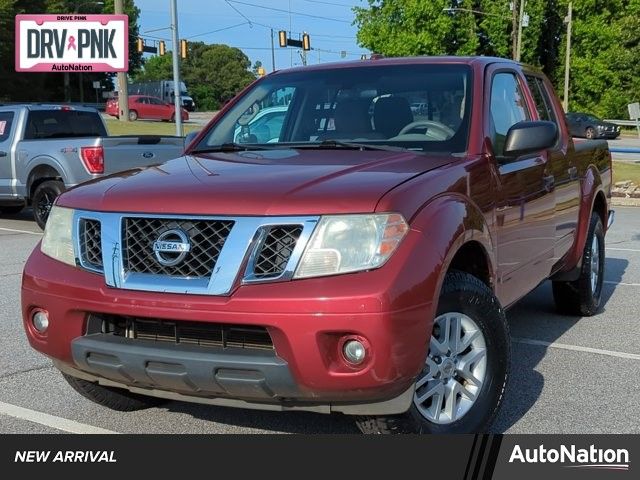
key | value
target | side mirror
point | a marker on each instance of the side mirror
(529, 137)
(190, 137)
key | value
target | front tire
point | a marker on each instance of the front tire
(582, 297)
(590, 133)
(462, 384)
(133, 115)
(113, 398)
(43, 199)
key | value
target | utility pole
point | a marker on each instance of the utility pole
(567, 59)
(273, 53)
(514, 28)
(123, 88)
(520, 17)
(176, 68)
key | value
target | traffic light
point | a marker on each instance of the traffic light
(282, 36)
(261, 71)
(140, 45)
(306, 42)
(162, 48)
(183, 49)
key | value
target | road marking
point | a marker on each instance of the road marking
(624, 249)
(50, 420)
(19, 231)
(575, 348)
(622, 283)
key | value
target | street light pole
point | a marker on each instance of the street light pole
(123, 87)
(177, 100)
(273, 53)
(514, 28)
(567, 59)
(519, 42)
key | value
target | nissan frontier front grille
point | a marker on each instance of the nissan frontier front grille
(275, 251)
(203, 334)
(91, 244)
(206, 255)
(204, 238)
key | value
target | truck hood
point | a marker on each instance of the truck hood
(271, 182)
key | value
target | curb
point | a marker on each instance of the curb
(625, 201)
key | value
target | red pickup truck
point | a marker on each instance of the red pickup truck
(358, 259)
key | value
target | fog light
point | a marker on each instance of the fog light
(40, 321)
(354, 351)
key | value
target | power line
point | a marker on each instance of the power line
(220, 29)
(330, 3)
(287, 11)
(238, 12)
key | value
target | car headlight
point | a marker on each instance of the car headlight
(351, 243)
(57, 242)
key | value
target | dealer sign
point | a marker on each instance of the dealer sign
(72, 43)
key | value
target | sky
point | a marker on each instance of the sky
(246, 24)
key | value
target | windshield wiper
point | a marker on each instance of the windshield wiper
(231, 147)
(337, 144)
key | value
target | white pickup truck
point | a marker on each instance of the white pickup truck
(47, 149)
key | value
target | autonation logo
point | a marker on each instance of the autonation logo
(573, 457)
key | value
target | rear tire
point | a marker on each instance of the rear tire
(463, 298)
(113, 398)
(582, 297)
(173, 118)
(43, 199)
(133, 115)
(11, 209)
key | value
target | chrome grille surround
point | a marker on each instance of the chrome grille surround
(90, 245)
(274, 249)
(207, 239)
(233, 265)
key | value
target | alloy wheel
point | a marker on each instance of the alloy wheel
(454, 371)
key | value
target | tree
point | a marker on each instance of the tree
(213, 73)
(605, 72)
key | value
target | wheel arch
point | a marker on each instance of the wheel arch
(592, 199)
(462, 239)
(41, 173)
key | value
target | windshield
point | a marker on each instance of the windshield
(418, 107)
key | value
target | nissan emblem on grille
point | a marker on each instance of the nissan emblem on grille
(171, 247)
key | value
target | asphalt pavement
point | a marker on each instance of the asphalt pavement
(569, 375)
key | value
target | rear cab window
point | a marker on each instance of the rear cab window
(542, 100)
(43, 124)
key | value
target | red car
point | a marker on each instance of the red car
(357, 257)
(147, 108)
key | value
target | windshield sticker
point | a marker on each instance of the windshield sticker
(3, 126)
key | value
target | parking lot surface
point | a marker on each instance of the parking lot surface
(569, 375)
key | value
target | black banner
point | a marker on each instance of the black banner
(466, 457)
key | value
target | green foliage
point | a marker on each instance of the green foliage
(605, 66)
(30, 87)
(213, 73)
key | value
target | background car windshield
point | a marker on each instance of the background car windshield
(418, 107)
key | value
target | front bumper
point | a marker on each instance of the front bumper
(389, 307)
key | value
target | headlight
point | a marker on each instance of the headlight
(57, 242)
(350, 243)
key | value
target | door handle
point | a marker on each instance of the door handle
(3, 154)
(548, 181)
